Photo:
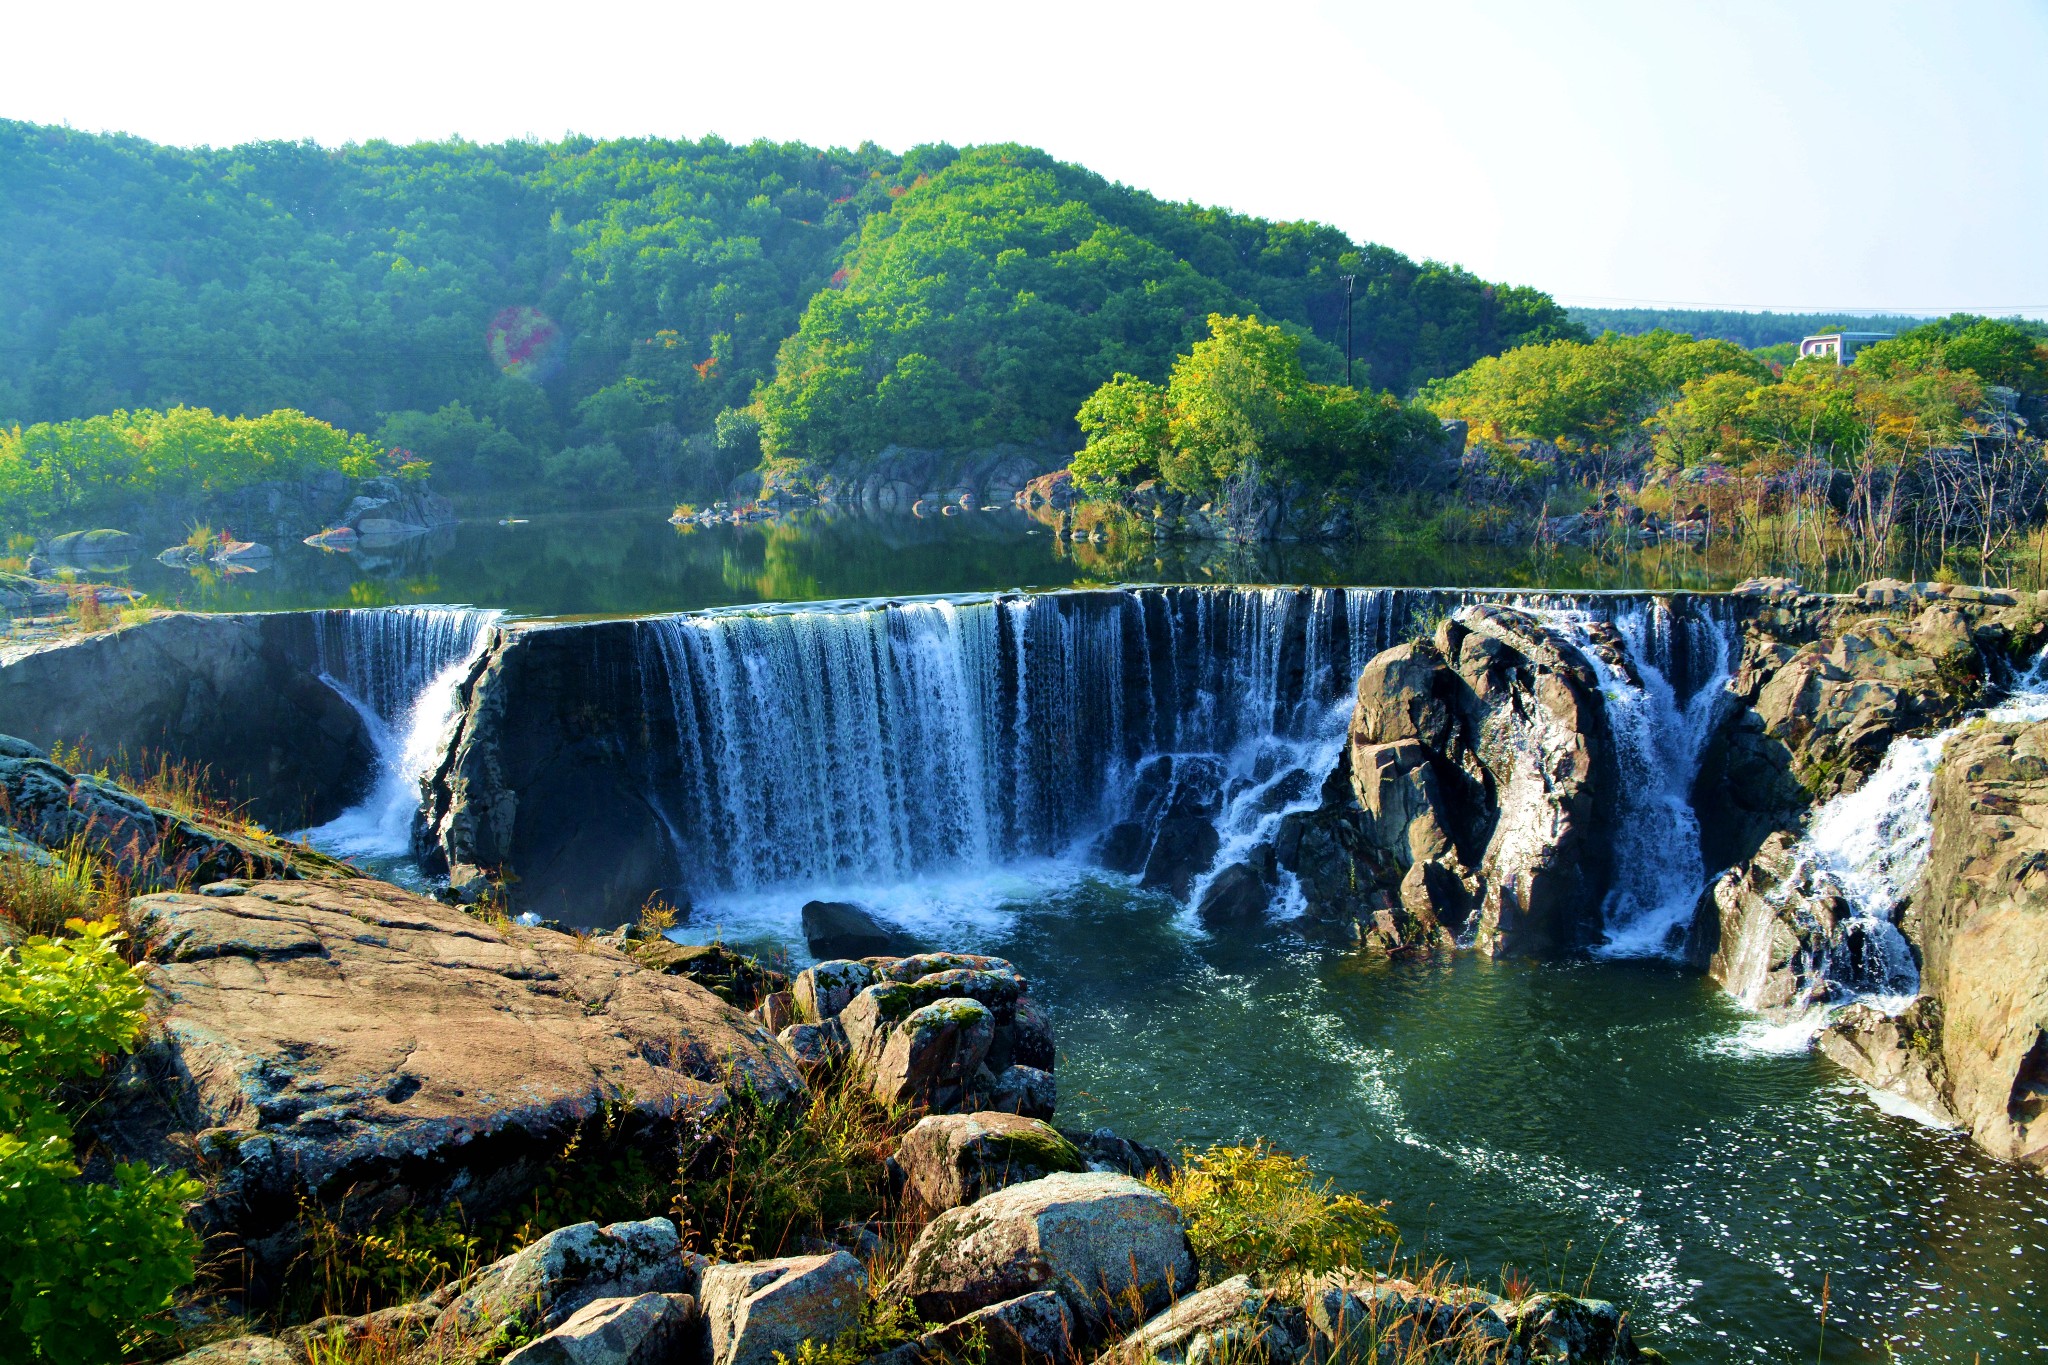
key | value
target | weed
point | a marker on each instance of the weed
(657, 917)
(39, 891)
(1258, 1210)
(406, 1257)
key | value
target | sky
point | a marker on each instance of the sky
(1800, 155)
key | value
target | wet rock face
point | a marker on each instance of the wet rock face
(236, 695)
(1982, 923)
(349, 1040)
(1825, 685)
(1481, 757)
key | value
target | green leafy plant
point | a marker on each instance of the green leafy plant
(1258, 1210)
(87, 1268)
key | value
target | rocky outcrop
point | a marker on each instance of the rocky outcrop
(1481, 788)
(1981, 922)
(372, 1050)
(237, 696)
(900, 478)
(1105, 1243)
(53, 809)
(650, 1329)
(1825, 684)
(945, 1032)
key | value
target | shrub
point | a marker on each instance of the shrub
(1258, 1210)
(39, 895)
(85, 1268)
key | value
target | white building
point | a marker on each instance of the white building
(1843, 346)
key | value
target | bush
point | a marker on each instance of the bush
(85, 1267)
(1258, 1210)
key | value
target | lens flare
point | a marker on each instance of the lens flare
(525, 343)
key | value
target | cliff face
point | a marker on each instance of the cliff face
(237, 695)
(1982, 921)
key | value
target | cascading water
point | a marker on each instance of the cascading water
(1867, 848)
(1660, 736)
(399, 668)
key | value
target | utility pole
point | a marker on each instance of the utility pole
(1349, 280)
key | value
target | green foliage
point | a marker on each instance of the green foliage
(1239, 401)
(1000, 292)
(406, 1258)
(2010, 353)
(1756, 331)
(1260, 1211)
(765, 1175)
(84, 1267)
(1586, 397)
(596, 468)
(52, 470)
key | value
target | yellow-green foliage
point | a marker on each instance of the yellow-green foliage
(39, 895)
(87, 1268)
(55, 468)
(1258, 1210)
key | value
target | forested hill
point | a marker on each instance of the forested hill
(1749, 330)
(590, 309)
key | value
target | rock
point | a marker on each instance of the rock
(241, 552)
(954, 1159)
(1763, 930)
(733, 977)
(1238, 895)
(1103, 1242)
(350, 1041)
(1350, 1314)
(543, 1285)
(824, 990)
(1978, 920)
(1031, 1037)
(1898, 1054)
(839, 929)
(1766, 587)
(1562, 1328)
(777, 1010)
(1230, 1321)
(933, 1057)
(51, 807)
(1182, 850)
(819, 1049)
(759, 1308)
(650, 1329)
(1486, 754)
(237, 696)
(104, 548)
(1105, 1151)
(1123, 847)
(1031, 1329)
(242, 1351)
(339, 538)
(1025, 1090)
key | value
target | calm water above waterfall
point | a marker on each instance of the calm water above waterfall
(633, 561)
(1614, 1122)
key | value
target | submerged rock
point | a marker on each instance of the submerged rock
(840, 929)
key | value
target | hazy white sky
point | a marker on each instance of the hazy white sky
(1805, 154)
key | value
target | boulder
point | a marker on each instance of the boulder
(1026, 1090)
(1238, 895)
(952, 1159)
(364, 1047)
(544, 1284)
(1031, 1329)
(734, 977)
(819, 1049)
(777, 1011)
(1230, 1321)
(1182, 850)
(933, 1058)
(101, 549)
(824, 990)
(1898, 1054)
(1763, 929)
(1105, 1151)
(757, 1309)
(1105, 1243)
(1123, 847)
(840, 929)
(648, 1329)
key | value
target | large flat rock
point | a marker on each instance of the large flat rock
(376, 1049)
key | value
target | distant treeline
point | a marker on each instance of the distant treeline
(656, 312)
(1748, 330)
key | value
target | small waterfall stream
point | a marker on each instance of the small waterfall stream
(399, 668)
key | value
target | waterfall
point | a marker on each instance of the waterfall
(399, 668)
(866, 744)
(1865, 850)
(1660, 721)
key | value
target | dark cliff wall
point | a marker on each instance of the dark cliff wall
(237, 695)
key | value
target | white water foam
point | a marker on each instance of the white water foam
(1659, 743)
(399, 667)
